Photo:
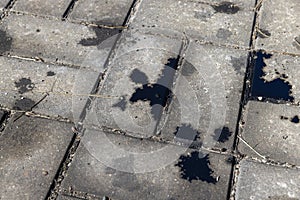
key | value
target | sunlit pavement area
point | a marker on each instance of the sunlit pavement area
(149, 99)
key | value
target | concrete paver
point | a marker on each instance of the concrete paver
(279, 26)
(54, 8)
(108, 12)
(31, 151)
(53, 41)
(272, 130)
(200, 20)
(259, 181)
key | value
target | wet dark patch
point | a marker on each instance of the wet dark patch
(222, 134)
(277, 89)
(101, 35)
(226, 7)
(262, 33)
(5, 42)
(196, 167)
(186, 134)
(50, 73)
(204, 15)
(24, 85)
(188, 69)
(157, 93)
(122, 104)
(24, 104)
(223, 34)
(238, 64)
(295, 119)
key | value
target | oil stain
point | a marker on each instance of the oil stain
(196, 167)
(223, 34)
(188, 69)
(5, 42)
(238, 63)
(222, 134)
(157, 93)
(262, 33)
(186, 134)
(122, 104)
(50, 73)
(24, 85)
(24, 104)
(295, 119)
(226, 7)
(278, 89)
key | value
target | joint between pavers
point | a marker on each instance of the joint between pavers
(70, 192)
(69, 9)
(132, 12)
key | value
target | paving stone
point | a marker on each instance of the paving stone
(279, 26)
(259, 181)
(174, 181)
(142, 68)
(24, 83)
(108, 12)
(31, 151)
(273, 131)
(54, 41)
(207, 95)
(200, 20)
(54, 8)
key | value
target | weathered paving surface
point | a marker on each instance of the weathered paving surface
(148, 99)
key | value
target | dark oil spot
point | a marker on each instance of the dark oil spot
(24, 85)
(226, 7)
(223, 33)
(121, 104)
(5, 42)
(222, 134)
(262, 33)
(157, 93)
(186, 134)
(238, 63)
(101, 35)
(24, 104)
(277, 89)
(196, 167)
(295, 119)
(188, 69)
(284, 118)
(50, 73)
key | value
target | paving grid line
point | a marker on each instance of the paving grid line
(78, 129)
(69, 9)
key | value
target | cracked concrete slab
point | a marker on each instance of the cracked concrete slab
(272, 130)
(55, 8)
(259, 181)
(31, 151)
(200, 20)
(108, 12)
(278, 28)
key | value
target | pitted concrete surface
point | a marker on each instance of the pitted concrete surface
(147, 99)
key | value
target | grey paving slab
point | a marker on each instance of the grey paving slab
(259, 181)
(31, 152)
(102, 12)
(24, 83)
(54, 41)
(142, 68)
(279, 26)
(200, 20)
(208, 91)
(174, 181)
(54, 8)
(272, 130)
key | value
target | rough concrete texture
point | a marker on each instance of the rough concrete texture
(170, 182)
(200, 20)
(31, 151)
(278, 28)
(55, 8)
(258, 181)
(272, 130)
(3, 3)
(113, 14)
(53, 41)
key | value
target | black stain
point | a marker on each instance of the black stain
(5, 42)
(122, 104)
(262, 33)
(192, 167)
(24, 85)
(222, 134)
(24, 104)
(284, 118)
(50, 73)
(223, 34)
(238, 63)
(226, 7)
(157, 93)
(295, 119)
(186, 133)
(101, 35)
(278, 89)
